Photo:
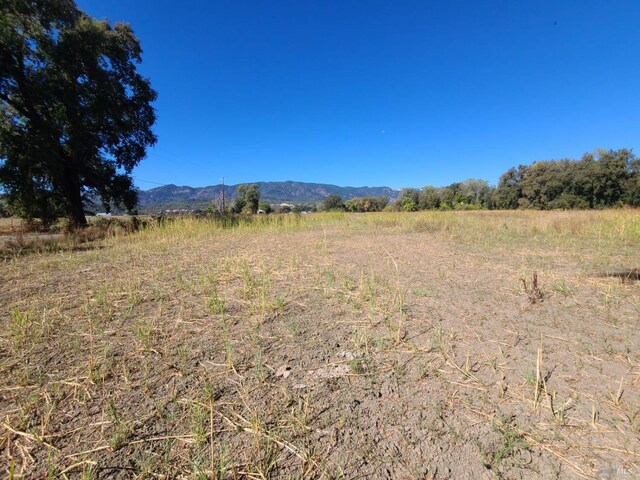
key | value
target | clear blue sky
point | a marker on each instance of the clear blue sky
(395, 93)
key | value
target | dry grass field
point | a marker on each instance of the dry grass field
(8, 226)
(328, 346)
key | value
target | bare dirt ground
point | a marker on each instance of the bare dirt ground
(333, 346)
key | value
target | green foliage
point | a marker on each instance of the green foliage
(632, 191)
(366, 204)
(568, 201)
(265, 207)
(407, 204)
(409, 199)
(603, 179)
(247, 200)
(332, 203)
(471, 194)
(606, 178)
(511, 441)
(429, 198)
(75, 116)
(509, 189)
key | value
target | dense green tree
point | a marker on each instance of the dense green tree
(580, 181)
(509, 189)
(75, 115)
(265, 207)
(449, 195)
(632, 191)
(543, 182)
(611, 176)
(474, 192)
(408, 200)
(366, 204)
(632, 187)
(247, 199)
(333, 203)
(605, 178)
(429, 198)
(378, 204)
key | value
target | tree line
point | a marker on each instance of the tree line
(603, 179)
(356, 204)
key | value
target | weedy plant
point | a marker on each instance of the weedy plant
(122, 429)
(199, 421)
(358, 366)
(144, 331)
(215, 302)
(511, 441)
(20, 326)
(562, 288)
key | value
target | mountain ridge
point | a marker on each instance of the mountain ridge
(184, 196)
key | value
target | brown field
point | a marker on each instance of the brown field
(328, 346)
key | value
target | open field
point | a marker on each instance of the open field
(329, 346)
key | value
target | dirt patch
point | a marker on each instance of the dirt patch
(377, 346)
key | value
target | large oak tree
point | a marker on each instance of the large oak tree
(75, 115)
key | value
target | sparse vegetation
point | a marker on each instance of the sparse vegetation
(287, 346)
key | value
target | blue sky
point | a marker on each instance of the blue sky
(395, 93)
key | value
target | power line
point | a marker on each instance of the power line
(148, 181)
(166, 154)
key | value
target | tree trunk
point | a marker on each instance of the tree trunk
(77, 218)
(75, 210)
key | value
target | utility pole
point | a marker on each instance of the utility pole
(224, 210)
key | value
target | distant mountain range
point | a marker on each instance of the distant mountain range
(175, 197)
